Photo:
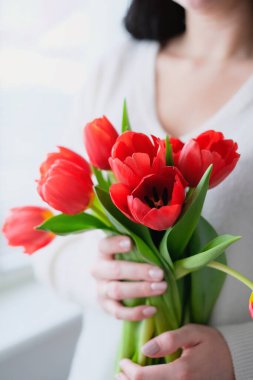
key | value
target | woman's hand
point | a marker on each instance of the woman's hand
(205, 356)
(146, 280)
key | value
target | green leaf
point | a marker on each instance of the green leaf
(140, 234)
(202, 298)
(169, 154)
(210, 252)
(164, 251)
(68, 224)
(125, 125)
(181, 233)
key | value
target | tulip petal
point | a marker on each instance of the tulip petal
(123, 173)
(59, 189)
(67, 155)
(119, 194)
(142, 143)
(163, 218)
(251, 305)
(223, 173)
(206, 139)
(190, 162)
(178, 193)
(137, 208)
(207, 158)
(139, 163)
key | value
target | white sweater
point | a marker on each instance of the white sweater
(129, 71)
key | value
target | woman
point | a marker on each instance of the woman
(196, 75)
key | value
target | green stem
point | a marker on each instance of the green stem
(128, 342)
(232, 272)
(168, 316)
(100, 178)
(146, 332)
(100, 214)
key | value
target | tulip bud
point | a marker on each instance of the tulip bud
(99, 137)
(19, 228)
(251, 305)
(65, 182)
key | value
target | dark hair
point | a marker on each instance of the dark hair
(157, 20)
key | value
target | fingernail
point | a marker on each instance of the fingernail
(125, 244)
(156, 273)
(118, 376)
(150, 348)
(159, 286)
(122, 363)
(149, 311)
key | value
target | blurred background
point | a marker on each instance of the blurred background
(46, 50)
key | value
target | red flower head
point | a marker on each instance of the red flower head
(19, 228)
(99, 138)
(157, 200)
(65, 182)
(251, 305)
(208, 148)
(135, 155)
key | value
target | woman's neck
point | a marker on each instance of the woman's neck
(220, 34)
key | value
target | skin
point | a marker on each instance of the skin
(199, 72)
(202, 69)
(198, 344)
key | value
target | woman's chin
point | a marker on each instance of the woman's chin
(195, 4)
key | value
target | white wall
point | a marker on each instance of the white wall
(46, 49)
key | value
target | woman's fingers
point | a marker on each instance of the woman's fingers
(125, 270)
(133, 371)
(119, 291)
(119, 311)
(121, 376)
(146, 280)
(110, 246)
(177, 370)
(108, 269)
(169, 342)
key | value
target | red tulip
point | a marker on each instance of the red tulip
(157, 200)
(99, 138)
(135, 155)
(208, 148)
(251, 305)
(19, 228)
(65, 182)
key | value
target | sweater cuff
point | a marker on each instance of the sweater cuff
(239, 339)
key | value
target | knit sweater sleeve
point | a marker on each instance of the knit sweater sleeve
(239, 338)
(65, 267)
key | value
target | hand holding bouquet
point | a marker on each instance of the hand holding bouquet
(153, 191)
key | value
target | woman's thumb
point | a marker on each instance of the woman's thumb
(169, 342)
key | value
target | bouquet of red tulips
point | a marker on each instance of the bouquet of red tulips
(152, 190)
